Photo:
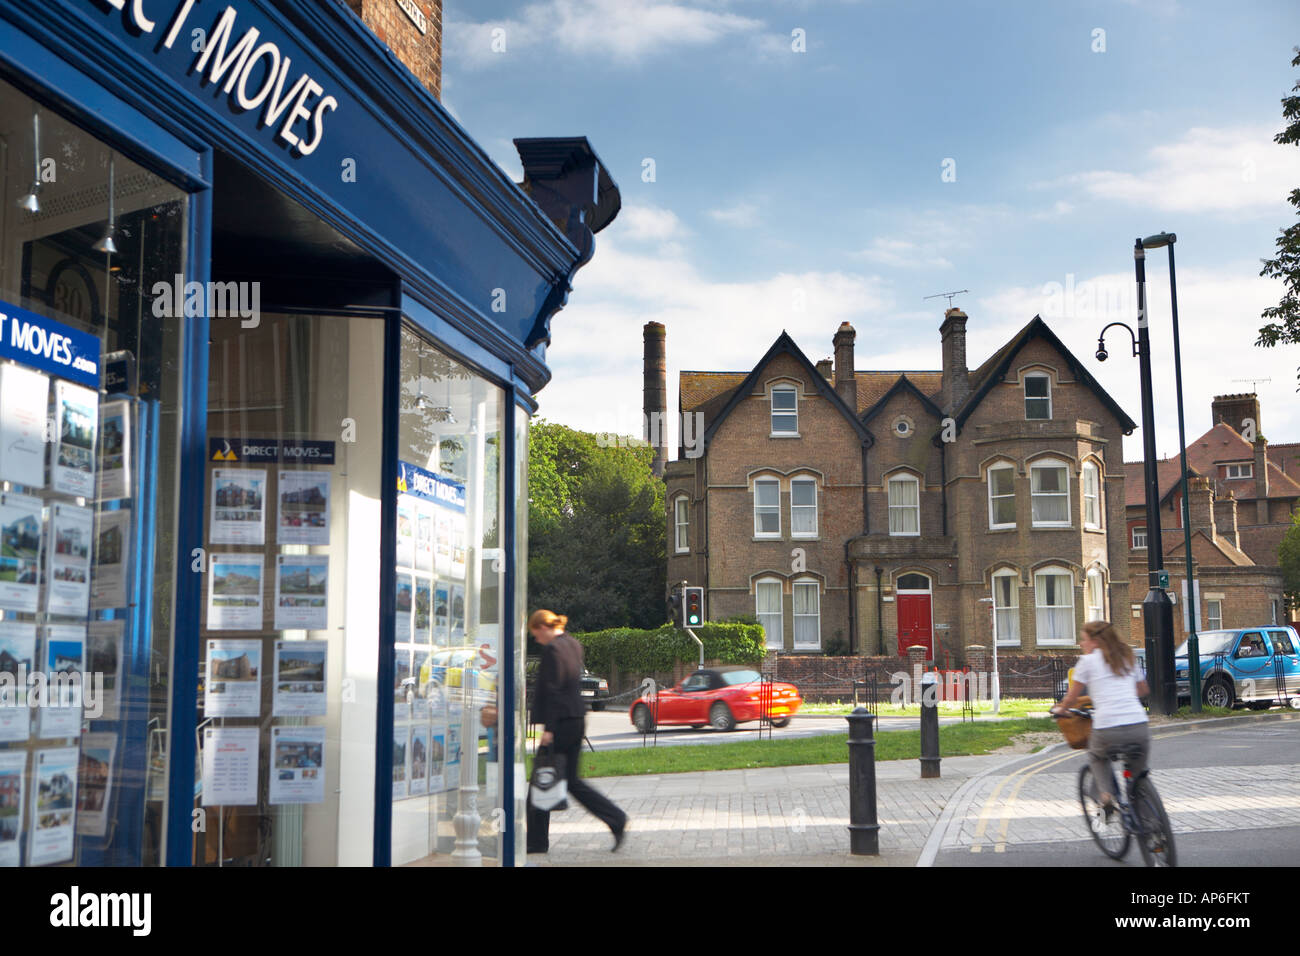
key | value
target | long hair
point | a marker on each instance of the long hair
(544, 618)
(1118, 655)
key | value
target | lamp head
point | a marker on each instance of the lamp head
(106, 245)
(1159, 240)
(31, 203)
(1102, 354)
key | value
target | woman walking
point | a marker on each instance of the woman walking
(559, 708)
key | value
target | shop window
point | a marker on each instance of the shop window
(767, 608)
(1006, 607)
(1002, 497)
(803, 508)
(904, 506)
(1054, 604)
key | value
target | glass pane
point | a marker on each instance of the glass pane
(1036, 386)
(1037, 408)
(803, 520)
(784, 399)
(768, 598)
(1004, 511)
(1002, 481)
(1049, 480)
(785, 423)
(769, 522)
(914, 582)
(767, 493)
(803, 493)
(805, 599)
(903, 492)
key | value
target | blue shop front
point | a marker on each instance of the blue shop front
(270, 324)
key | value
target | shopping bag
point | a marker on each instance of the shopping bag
(548, 790)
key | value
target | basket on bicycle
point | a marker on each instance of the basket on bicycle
(1077, 729)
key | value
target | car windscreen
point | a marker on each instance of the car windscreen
(731, 678)
(1211, 642)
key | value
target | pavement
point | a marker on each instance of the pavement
(1218, 779)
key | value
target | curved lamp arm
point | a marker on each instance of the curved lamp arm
(1101, 348)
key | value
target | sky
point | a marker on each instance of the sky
(794, 165)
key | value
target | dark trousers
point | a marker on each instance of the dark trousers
(568, 744)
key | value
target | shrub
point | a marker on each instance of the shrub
(650, 651)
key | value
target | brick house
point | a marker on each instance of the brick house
(868, 511)
(1241, 502)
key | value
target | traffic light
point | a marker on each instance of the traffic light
(675, 606)
(693, 612)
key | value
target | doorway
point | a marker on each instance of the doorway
(915, 614)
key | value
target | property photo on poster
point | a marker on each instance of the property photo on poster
(114, 450)
(13, 767)
(300, 679)
(297, 765)
(20, 552)
(238, 506)
(405, 605)
(17, 663)
(457, 614)
(442, 542)
(401, 752)
(423, 611)
(235, 592)
(108, 573)
(65, 664)
(303, 508)
(104, 658)
(419, 759)
(232, 685)
(301, 582)
(95, 783)
(54, 803)
(77, 421)
(406, 508)
(24, 404)
(67, 587)
(437, 757)
(424, 538)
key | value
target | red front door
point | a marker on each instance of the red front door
(914, 623)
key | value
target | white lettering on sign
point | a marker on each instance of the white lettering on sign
(255, 75)
(416, 14)
(52, 346)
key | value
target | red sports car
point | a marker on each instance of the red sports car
(722, 697)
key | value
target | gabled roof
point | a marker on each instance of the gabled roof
(698, 389)
(1169, 476)
(784, 345)
(1232, 555)
(994, 370)
(1224, 443)
(903, 384)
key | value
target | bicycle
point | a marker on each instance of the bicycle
(1137, 812)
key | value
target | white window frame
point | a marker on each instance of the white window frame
(994, 524)
(783, 389)
(1091, 468)
(767, 509)
(1070, 635)
(1095, 579)
(805, 584)
(1133, 537)
(1213, 614)
(1038, 398)
(1007, 614)
(891, 507)
(681, 525)
(794, 508)
(766, 617)
(1064, 494)
(1244, 470)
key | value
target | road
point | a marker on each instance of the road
(1232, 792)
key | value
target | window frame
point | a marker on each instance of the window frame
(1249, 472)
(1037, 398)
(1042, 465)
(890, 506)
(816, 529)
(779, 612)
(1211, 604)
(681, 525)
(988, 478)
(796, 616)
(1133, 537)
(1014, 606)
(1091, 467)
(1071, 636)
(766, 509)
(1098, 576)
(773, 412)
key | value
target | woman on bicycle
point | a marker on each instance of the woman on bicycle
(1109, 673)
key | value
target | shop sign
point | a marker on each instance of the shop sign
(50, 346)
(416, 14)
(271, 451)
(415, 481)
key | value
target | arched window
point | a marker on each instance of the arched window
(1091, 496)
(1054, 606)
(1002, 496)
(904, 505)
(767, 608)
(681, 524)
(1049, 485)
(1096, 593)
(1006, 607)
(806, 598)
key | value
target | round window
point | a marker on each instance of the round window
(902, 428)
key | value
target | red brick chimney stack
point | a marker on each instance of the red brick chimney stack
(1200, 503)
(655, 395)
(846, 381)
(1225, 518)
(956, 377)
(1261, 480)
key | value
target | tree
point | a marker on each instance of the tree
(1284, 318)
(596, 530)
(1288, 554)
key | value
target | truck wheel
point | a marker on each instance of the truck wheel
(1219, 693)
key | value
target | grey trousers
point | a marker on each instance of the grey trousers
(1137, 736)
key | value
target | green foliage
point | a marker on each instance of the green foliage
(1284, 318)
(596, 530)
(1288, 554)
(643, 651)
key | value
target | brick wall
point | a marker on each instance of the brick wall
(831, 678)
(422, 53)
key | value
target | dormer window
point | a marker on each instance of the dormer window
(1038, 397)
(1241, 471)
(785, 411)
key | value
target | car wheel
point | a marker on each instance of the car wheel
(1295, 703)
(780, 721)
(720, 717)
(641, 719)
(1219, 693)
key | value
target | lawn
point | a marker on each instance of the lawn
(954, 741)
(1009, 707)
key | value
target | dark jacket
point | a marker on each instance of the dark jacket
(557, 694)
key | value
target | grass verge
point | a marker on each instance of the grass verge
(1009, 707)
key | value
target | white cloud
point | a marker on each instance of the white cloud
(901, 254)
(652, 223)
(742, 214)
(1237, 169)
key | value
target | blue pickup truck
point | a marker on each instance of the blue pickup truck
(1255, 666)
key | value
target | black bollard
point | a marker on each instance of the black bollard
(864, 831)
(929, 725)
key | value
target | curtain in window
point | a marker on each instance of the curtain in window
(1006, 609)
(803, 507)
(1096, 598)
(1055, 608)
(904, 506)
(1050, 488)
(807, 616)
(681, 524)
(1091, 496)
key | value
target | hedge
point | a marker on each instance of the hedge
(636, 650)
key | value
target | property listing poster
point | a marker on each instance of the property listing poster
(65, 661)
(108, 573)
(301, 581)
(299, 679)
(457, 614)
(297, 765)
(405, 602)
(451, 768)
(17, 662)
(76, 412)
(238, 506)
(437, 756)
(20, 552)
(13, 766)
(401, 750)
(235, 593)
(405, 531)
(24, 403)
(424, 538)
(303, 508)
(423, 611)
(458, 536)
(114, 450)
(104, 657)
(54, 782)
(442, 542)
(442, 614)
(95, 783)
(67, 588)
(233, 687)
(230, 766)
(419, 759)
(403, 683)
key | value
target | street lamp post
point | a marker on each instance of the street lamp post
(1193, 604)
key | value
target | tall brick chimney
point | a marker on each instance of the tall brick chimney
(1200, 503)
(956, 377)
(1236, 410)
(1261, 480)
(826, 368)
(1225, 518)
(412, 29)
(846, 382)
(655, 395)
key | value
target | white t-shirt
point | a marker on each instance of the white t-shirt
(1114, 696)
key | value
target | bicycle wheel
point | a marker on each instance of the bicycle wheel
(1109, 834)
(1157, 837)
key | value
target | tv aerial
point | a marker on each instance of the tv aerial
(1254, 382)
(947, 295)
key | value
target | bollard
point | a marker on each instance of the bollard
(929, 725)
(864, 831)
